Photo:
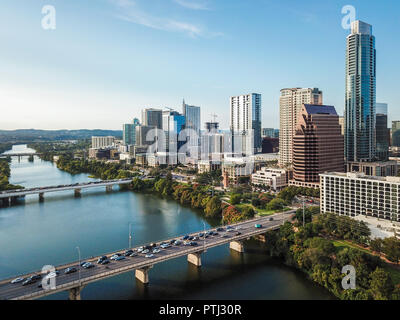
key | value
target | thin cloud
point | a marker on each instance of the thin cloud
(128, 10)
(194, 5)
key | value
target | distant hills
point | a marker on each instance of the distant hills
(27, 135)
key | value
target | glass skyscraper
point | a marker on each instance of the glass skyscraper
(360, 100)
(129, 132)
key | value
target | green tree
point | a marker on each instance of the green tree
(381, 285)
(213, 207)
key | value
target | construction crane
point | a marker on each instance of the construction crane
(214, 116)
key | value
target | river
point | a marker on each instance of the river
(33, 234)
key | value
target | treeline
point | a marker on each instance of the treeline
(102, 170)
(51, 149)
(5, 175)
(5, 147)
(290, 192)
(311, 250)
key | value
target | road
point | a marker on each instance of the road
(68, 281)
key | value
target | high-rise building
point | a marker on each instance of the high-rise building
(172, 124)
(291, 102)
(360, 100)
(141, 135)
(192, 116)
(396, 133)
(245, 121)
(102, 142)
(152, 117)
(382, 132)
(317, 145)
(341, 122)
(268, 132)
(211, 126)
(129, 132)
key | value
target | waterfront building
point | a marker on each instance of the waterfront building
(208, 165)
(317, 145)
(378, 168)
(290, 104)
(360, 98)
(129, 132)
(192, 122)
(102, 142)
(355, 194)
(245, 122)
(275, 178)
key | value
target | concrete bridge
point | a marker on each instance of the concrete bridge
(19, 155)
(10, 196)
(141, 265)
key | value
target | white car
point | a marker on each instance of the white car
(156, 250)
(18, 280)
(145, 251)
(150, 255)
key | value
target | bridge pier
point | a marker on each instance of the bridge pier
(77, 192)
(236, 246)
(41, 197)
(109, 188)
(195, 258)
(75, 293)
(5, 202)
(14, 200)
(261, 237)
(143, 274)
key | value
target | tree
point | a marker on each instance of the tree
(391, 247)
(213, 208)
(381, 285)
(376, 245)
(235, 198)
(276, 204)
(248, 212)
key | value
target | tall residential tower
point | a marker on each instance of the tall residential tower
(360, 100)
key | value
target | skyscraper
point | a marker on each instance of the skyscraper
(172, 123)
(129, 132)
(360, 100)
(317, 145)
(152, 117)
(192, 115)
(245, 120)
(290, 104)
(382, 132)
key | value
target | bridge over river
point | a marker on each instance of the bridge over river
(10, 195)
(140, 264)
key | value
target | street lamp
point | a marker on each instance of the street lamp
(79, 267)
(303, 213)
(130, 236)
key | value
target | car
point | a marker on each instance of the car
(156, 250)
(83, 263)
(53, 274)
(185, 237)
(36, 277)
(88, 265)
(165, 246)
(238, 233)
(119, 258)
(101, 259)
(230, 230)
(28, 281)
(18, 280)
(145, 251)
(140, 249)
(195, 238)
(190, 238)
(225, 235)
(152, 245)
(171, 242)
(128, 252)
(70, 270)
(114, 257)
(186, 243)
(220, 229)
(149, 255)
(258, 226)
(271, 219)
(215, 233)
(177, 242)
(106, 261)
(229, 227)
(193, 243)
(133, 254)
(201, 235)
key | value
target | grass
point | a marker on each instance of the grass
(260, 212)
(341, 244)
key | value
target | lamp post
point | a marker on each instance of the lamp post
(204, 235)
(79, 267)
(303, 213)
(130, 236)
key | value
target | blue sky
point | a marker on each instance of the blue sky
(107, 59)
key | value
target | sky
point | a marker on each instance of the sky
(108, 59)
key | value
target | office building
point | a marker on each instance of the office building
(378, 168)
(360, 99)
(245, 123)
(290, 104)
(143, 137)
(172, 123)
(274, 178)
(355, 194)
(341, 123)
(382, 132)
(192, 122)
(317, 145)
(129, 132)
(152, 117)
(270, 145)
(396, 133)
(102, 142)
(211, 126)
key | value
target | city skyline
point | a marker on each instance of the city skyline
(97, 79)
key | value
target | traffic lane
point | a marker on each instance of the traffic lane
(98, 269)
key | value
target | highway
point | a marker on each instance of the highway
(66, 282)
(77, 186)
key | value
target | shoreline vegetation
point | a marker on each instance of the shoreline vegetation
(5, 170)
